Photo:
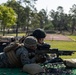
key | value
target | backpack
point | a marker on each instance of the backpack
(12, 46)
(10, 51)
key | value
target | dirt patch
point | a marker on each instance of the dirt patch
(48, 37)
(58, 37)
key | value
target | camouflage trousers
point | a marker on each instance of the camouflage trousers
(4, 61)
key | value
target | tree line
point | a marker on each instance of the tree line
(22, 15)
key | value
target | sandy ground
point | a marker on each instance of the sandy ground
(50, 37)
(58, 37)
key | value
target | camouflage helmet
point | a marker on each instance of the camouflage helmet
(30, 41)
(39, 33)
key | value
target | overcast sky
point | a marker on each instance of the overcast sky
(52, 4)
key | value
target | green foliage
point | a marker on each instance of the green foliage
(49, 26)
(43, 18)
(7, 15)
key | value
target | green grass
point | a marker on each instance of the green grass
(13, 34)
(72, 37)
(65, 45)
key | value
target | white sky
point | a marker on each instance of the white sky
(52, 4)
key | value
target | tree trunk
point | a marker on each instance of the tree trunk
(4, 31)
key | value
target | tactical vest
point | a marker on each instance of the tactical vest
(10, 51)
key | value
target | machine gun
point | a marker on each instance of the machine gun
(45, 48)
(55, 51)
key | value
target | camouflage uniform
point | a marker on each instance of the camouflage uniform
(24, 55)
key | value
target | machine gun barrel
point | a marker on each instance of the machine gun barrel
(56, 51)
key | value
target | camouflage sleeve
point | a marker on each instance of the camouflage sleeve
(22, 53)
